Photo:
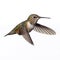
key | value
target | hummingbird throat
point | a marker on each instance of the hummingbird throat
(29, 26)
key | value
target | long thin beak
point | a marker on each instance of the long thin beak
(45, 17)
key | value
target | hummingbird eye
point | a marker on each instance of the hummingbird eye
(35, 17)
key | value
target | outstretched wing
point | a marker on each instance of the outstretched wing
(44, 29)
(27, 36)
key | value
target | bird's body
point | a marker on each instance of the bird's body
(18, 28)
(28, 25)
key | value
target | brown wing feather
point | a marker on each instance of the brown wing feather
(44, 29)
(26, 35)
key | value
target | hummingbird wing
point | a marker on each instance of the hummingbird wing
(43, 29)
(27, 36)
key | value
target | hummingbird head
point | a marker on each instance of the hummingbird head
(33, 18)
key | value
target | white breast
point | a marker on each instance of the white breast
(29, 25)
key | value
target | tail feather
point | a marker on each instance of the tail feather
(10, 33)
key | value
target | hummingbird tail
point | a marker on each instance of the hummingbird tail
(11, 33)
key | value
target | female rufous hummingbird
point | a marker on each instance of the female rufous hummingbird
(30, 24)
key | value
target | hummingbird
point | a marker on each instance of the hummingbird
(25, 27)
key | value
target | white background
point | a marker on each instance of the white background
(15, 47)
